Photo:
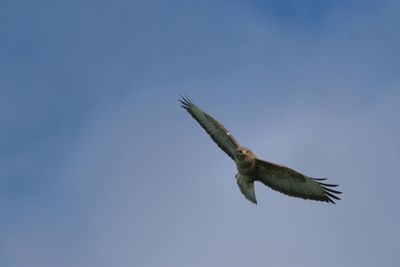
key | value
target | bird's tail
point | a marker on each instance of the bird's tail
(246, 186)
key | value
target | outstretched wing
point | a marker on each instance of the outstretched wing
(293, 183)
(215, 129)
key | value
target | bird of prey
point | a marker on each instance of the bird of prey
(250, 168)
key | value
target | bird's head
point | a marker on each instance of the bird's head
(242, 152)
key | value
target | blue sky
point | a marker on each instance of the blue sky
(101, 167)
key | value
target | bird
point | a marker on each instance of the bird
(250, 168)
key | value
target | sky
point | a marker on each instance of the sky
(99, 166)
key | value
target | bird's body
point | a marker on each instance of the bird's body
(245, 161)
(251, 169)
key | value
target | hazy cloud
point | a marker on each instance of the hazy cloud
(102, 168)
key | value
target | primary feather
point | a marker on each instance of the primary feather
(214, 128)
(293, 183)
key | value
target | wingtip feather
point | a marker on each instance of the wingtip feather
(186, 102)
(331, 195)
(332, 191)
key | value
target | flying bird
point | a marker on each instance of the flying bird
(251, 169)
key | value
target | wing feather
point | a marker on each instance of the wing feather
(293, 183)
(215, 129)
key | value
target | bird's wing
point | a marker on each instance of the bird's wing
(215, 129)
(293, 183)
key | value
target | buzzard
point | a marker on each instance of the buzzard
(250, 168)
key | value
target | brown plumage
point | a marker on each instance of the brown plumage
(250, 168)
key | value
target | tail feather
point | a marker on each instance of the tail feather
(246, 186)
